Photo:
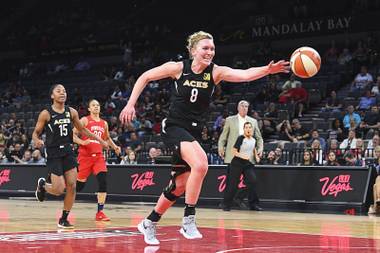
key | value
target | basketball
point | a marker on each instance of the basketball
(305, 62)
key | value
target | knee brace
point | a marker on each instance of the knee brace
(102, 181)
(80, 186)
(168, 191)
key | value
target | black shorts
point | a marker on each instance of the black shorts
(59, 165)
(173, 135)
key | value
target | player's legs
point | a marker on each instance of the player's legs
(57, 182)
(70, 179)
(84, 171)
(193, 154)
(57, 186)
(171, 193)
(101, 196)
(163, 202)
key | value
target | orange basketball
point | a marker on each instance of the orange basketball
(305, 62)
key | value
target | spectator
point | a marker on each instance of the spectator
(345, 57)
(27, 158)
(130, 158)
(374, 142)
(362, 80)
(334, 147)
(351, 120)
(298, 132)
(366, 101)
(152, 154)
(307, 159)
(370, 123)
(351, 159)
(219, 121)
(317, 152)
(333, 103)
(279, 158)
(37, 158)
(331, 159)
(15, 153)
(134, 142)
(315, 136)
(271, 158)
(292, 83)
(336, 131)
(359, 151)
(350, 142)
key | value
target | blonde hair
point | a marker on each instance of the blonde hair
(194, 38)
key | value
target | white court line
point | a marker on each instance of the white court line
(292, 247)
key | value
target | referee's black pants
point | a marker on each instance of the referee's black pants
(237, 167)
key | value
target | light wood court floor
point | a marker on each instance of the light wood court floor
(28, 215)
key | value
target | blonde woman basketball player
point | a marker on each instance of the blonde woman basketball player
(194, 81)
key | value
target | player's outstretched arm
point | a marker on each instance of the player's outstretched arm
(223, 73)
(166, 70)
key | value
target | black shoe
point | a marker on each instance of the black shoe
(256, 207)
(62, 223)
(40, 191)
(241, 204)
(224, 207)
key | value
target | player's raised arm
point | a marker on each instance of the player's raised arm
(169, 69)
(223, 73)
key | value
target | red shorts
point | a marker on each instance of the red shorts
(91, 164)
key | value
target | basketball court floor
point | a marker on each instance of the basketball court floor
(29, 226)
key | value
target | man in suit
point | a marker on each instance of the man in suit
(233, 127)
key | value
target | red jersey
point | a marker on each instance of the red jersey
(98, 128)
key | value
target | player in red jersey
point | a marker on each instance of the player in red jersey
(90, 157)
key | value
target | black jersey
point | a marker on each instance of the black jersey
(191, 96)
(59, 133)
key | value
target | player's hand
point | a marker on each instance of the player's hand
(127, 114)
(279, 67)
(39, 144)
(117, 150)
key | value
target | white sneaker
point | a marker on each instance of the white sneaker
(148, 229)
(189, 228)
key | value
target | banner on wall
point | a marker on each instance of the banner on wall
(290, 183)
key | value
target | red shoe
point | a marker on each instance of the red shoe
(100, 216)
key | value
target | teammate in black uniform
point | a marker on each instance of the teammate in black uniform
(57, 121)
(194, 83)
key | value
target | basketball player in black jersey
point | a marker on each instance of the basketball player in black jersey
(58, 120)
(195, 80)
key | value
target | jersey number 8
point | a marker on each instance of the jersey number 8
(194, 95)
